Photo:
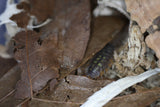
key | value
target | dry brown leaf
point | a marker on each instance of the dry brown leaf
(153, 41)
(48, 103)
(141, 99)
(22, 19)
(42, 10)
(143, 11)
(7, 87)
(6, 65)
(71, 27)
(146, 14)
(41, 67)
(73, 89)
(63, 45)
(134, 56)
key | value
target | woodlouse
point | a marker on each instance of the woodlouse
(104, 57)
(100, 61)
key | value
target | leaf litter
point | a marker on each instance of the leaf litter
(59, 48)
(7, 87)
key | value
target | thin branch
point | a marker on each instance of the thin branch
(10, 93)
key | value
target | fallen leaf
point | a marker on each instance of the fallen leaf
(41, 67)
(71, 27)
(107, 93)
(141, 99)
(63, 46)
(146, 14)
(153, 41)
(7, 87)
(39, 9)
(48, 103)
(143, 12)
(73, 89)
(6, 65)
(22, 19)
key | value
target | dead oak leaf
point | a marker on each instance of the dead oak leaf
(139, 99)
(144, 12)
(42, 10)
(41, 67)
(71, 26)
(6, 65)
(64, 46)
(74, 89)
(7, 87)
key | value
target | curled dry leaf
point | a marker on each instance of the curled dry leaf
(63, 43)
(143, 12)
(72, 90)
(136, 45)
(133, 55)
(141, 99)
(107, 93)
(22, 19)
(146, 14)
(34, 10)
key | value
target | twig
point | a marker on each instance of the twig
(3, 98)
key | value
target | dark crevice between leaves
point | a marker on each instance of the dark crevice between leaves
(145, 34)
(40, 41)
(66, 80)
(36, 30)
(68, 97)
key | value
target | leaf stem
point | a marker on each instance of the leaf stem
(27, 60)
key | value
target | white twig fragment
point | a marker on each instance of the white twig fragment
(41, 25)
(103, 96)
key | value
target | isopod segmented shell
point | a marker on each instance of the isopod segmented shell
(100, 61)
